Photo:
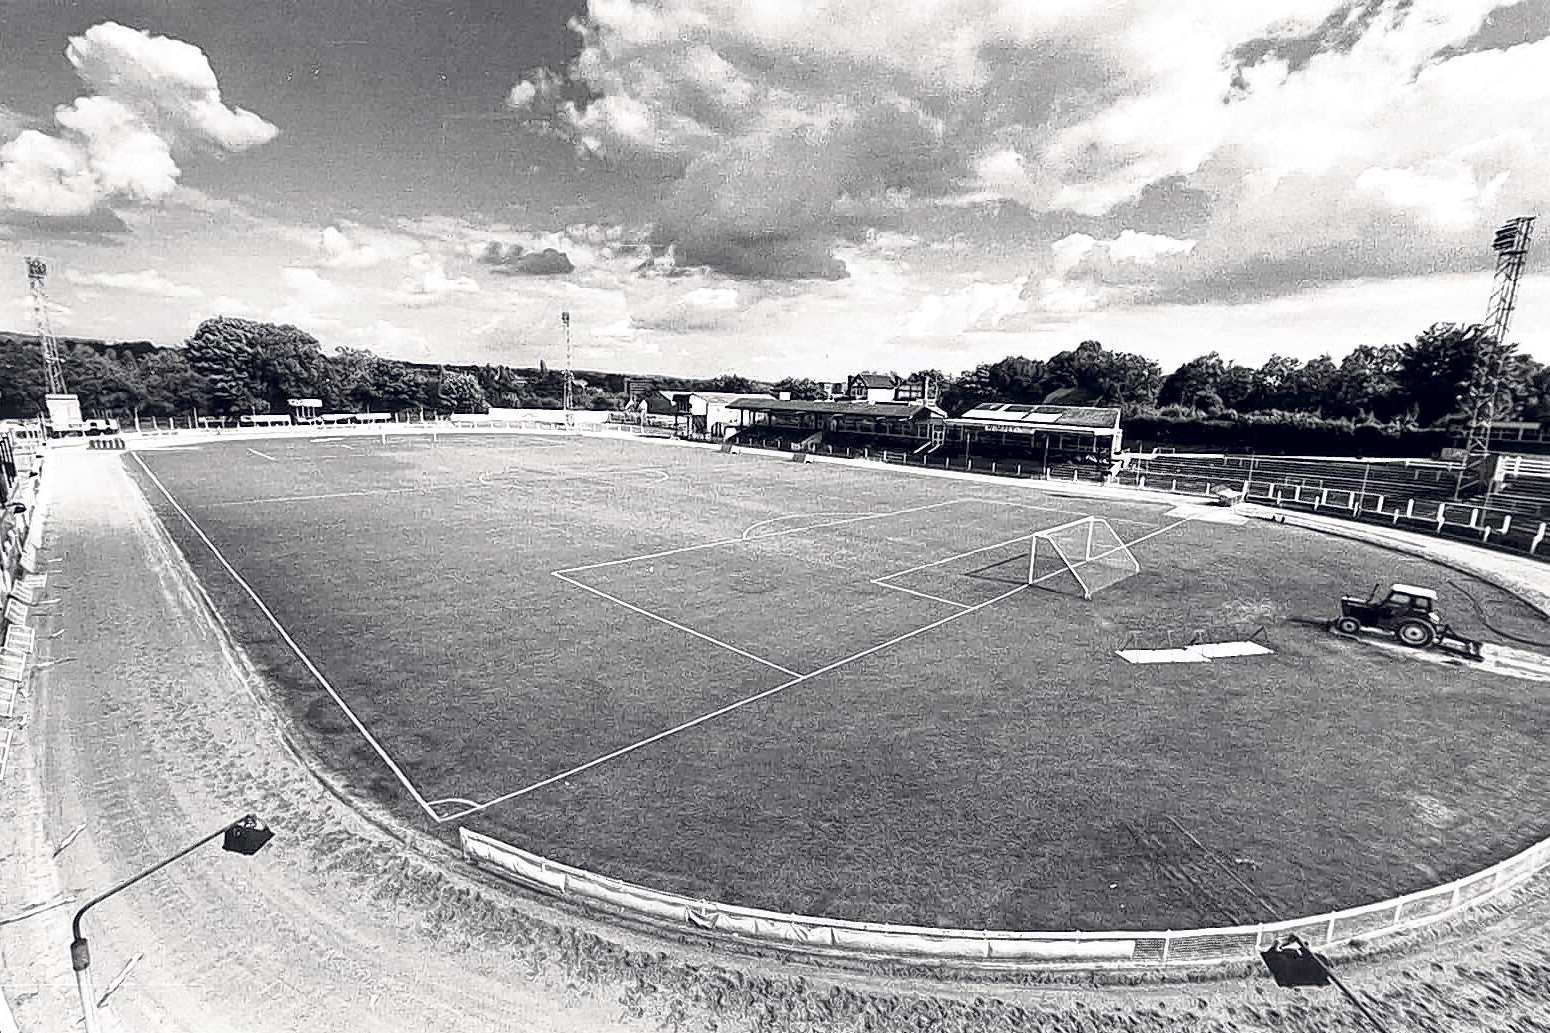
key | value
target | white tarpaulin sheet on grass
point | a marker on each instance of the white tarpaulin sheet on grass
(1201, 654)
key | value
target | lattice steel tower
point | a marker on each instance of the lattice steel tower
(1481, 398)
(37, 282)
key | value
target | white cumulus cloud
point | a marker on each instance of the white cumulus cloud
(147, 281)
(151, 97)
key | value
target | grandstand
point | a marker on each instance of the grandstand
(1055, 432)
(1048, 436)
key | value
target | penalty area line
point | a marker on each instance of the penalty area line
(755, 538)
(263, 455)
(286, 637)
(671, 623)
(730, 707)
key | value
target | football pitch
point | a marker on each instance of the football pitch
(832, 691)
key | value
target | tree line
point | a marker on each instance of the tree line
(231, 367)
(1419, 383)
(234, 366)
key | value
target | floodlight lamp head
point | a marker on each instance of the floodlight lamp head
(247, 836)
(37, 269)
(1512, 237)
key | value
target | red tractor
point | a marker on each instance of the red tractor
(1410, 613)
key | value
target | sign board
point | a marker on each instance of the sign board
(638, 388)
(63, 411)
(307, 403)
(1452, 455)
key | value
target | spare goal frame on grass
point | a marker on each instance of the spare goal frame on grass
(1088, 548)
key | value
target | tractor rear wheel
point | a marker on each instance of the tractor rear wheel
(1415, 633)
(1348, 625)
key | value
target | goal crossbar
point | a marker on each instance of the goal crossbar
(1087, 548)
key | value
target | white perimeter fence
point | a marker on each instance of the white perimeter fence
(979, 947)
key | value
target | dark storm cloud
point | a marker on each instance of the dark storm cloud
(512, 260)
(1169, 206)
(1338, 33)
(100, 226)
(1505, 27)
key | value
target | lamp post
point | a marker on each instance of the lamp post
(247, 836)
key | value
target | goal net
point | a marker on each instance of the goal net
(1085, 555)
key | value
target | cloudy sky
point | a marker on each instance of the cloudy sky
(776, 187)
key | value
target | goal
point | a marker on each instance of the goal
(1085, 554)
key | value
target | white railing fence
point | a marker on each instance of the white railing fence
(1118, 949)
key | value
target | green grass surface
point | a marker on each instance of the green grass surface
(1002, 769)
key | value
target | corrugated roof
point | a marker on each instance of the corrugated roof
(872, 410)
(717, 397)
(874, 379)
(1091, 417)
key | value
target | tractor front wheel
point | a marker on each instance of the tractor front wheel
(1348, 625)
(1414, 633)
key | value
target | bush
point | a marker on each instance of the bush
(1282, 433)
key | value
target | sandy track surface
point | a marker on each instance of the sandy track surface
(147, 732)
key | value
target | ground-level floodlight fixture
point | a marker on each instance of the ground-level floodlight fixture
(1293, 963)
(247, 836)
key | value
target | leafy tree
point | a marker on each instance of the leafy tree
(1235, 387)
(255, 367)
(731, 383)
(171, 385)
(607, 401)
(1194, 381)
(461, 392)
(801, 388)
(1313, 386)
(1536, 401)
(290, 365)
(1274, 384)
(398, 386)
(1016, 379)
(1111, 378)
(347, 382)
(103, 385)
(22, 381)
(1434, 369)
(1367, 381)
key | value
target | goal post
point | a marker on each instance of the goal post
(1086, 550)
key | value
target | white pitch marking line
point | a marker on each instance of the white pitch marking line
(949, 559)
(1012, 541)
(330, 495)
(671, 623)
(756, 538)
(539, 476)
(118, 980)
(739, 704)
(923, 595)
(286, 636)
(263, 455)
(747, 531)
(1057, 509)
